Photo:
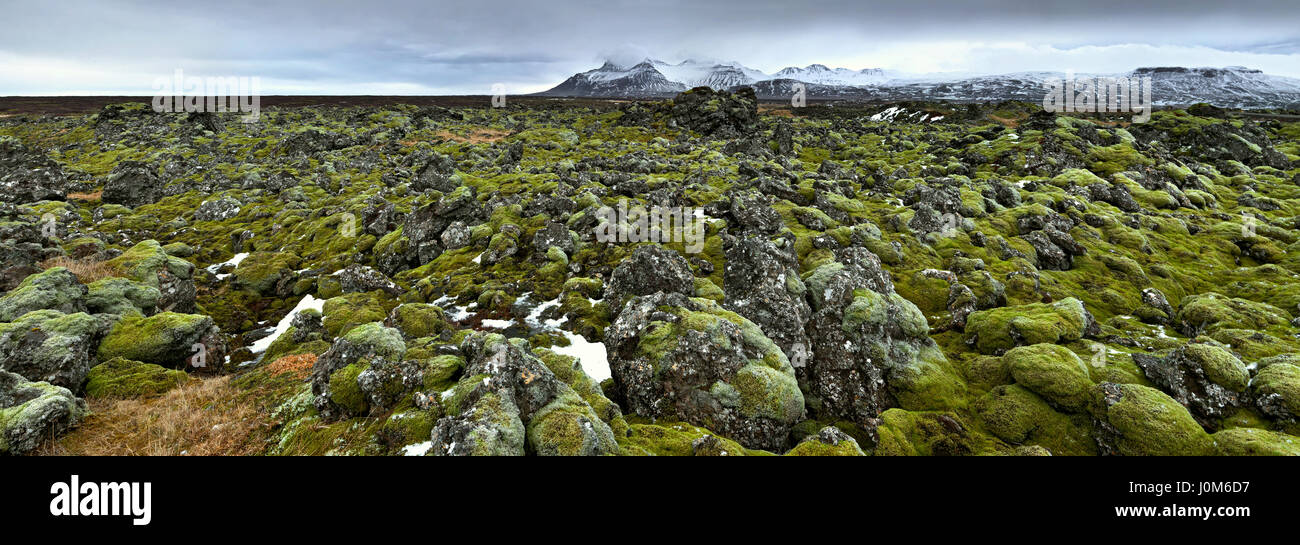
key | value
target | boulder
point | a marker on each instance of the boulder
(169, 339)
(31, 412)
(132, 184)
(50, 346)
(995, 331)
(688, 359)
(53, 289)
(218, 209)
(650, 269)
(173, 277)
(1207, 379)
(510, 403)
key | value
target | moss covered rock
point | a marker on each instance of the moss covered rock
(1018, 416)
(261, 272)
(53, 289)
(169, 339)
(149, 264)
(122, 296)
(1277, 391)
(1135, 420)
(994, 331)
(1255, 442)
(31, 412)
(50, 346)
(1212, 311)
(121, 378)
(1053, 372)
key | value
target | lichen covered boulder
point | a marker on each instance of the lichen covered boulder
(169, 339)
(650, 269)
(510, 403)
(50, 346)
(871, 348)
(31, 412)
(53, 289)
(149, 264)
(689, 359)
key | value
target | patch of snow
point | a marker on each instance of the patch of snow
(307, 302)
(233, 262)
(498, 324)
(418, 449)
(591, 356)
(458, 313)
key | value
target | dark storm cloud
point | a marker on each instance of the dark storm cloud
(466, 46)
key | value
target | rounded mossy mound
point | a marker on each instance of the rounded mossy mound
(121, 378)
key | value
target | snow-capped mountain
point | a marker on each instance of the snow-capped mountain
(719, 75)
(823, 75)
(1233, 87)
(610, 80)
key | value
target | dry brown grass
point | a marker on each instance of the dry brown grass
(204, 417)
(86, 270)
(298, 366)
(97, 195)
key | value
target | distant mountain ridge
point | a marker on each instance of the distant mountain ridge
(1232, 87)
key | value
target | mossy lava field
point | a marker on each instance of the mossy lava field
(703, 275)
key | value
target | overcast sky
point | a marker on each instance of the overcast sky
(435, 47)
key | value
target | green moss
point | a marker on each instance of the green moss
(1018, 416)
(125, 379)
(995, 330)
(344, 390)
(166, 338)
(1053, 372)
(1253, 442)
(906, 433)
(1149, 423)
(1280, 380)
(347, 311)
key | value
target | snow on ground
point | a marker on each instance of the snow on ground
(592, 356)
(307, 302)
(234, 262)
(418, 449)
